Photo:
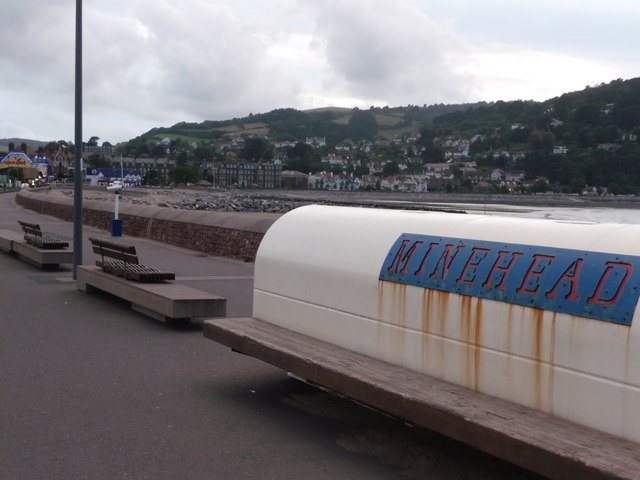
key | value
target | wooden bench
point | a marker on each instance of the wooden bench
(553, 447)
(122, 260)
(13, 242)
(119, 273)
(33, 235)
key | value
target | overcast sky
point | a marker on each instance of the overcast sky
(153, 63)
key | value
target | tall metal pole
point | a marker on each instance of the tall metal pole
(78, 174)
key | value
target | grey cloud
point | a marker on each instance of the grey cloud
(156, 65)
(193, 62)
(36, 87)
(390, 51)
(37, 49)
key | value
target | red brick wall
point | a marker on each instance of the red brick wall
(197, 232)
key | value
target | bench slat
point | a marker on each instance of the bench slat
(35, 236)
(122, 260)
(130, 258)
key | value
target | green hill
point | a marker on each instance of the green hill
(291, 124)
(583, 138)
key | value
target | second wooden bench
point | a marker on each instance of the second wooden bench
(34, 235)
(122, 260)
(119, 273)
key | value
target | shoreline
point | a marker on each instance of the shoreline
(280, 201)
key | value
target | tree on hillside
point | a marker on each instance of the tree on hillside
(362, 125)
(542, 141)
(158, 151)
(391, 168)
(203, 153)
(256, 149)
(429, 151)
(301, 158)
(627, 116)
(143, 149)
(182, 159)
(588, 113)
(184, 175)
(360, 170)
(176, 145)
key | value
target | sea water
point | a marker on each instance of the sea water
(580, 214)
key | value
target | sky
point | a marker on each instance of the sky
(154, 63)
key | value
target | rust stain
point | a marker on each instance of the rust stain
(465, 317)
(627, 395)
(467, 336)
(552, 361)
(437, 301)
(426, 317)
(400, 297)
(426, 329)
(538, 318)
(382, 287)
(391, 321)
(510, 320)
(443, 299)
(434, 311)
(397, 302)
(380, 306)
(430, 308)
(400, 303)
(443, 305)
(627, 349)
(537, 355)
(509, 349)
(478, 343)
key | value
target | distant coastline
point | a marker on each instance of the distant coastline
(281, 201)
(429, 197)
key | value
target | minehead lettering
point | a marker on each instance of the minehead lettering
(611, 283)
(403, 257)
(598, 285)
(470, 268)
(499, 268)
(530, 283)
(571, 276)
(441, 270)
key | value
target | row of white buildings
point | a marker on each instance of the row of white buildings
(435, 177)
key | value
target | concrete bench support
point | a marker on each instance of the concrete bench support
(544, 444)
(162, 301)
(7, 238)
(46, 258)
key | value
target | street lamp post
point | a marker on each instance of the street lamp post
(77, 197)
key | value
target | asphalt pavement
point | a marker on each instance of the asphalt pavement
(90, 389)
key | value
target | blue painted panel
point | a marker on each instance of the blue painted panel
(598, 285)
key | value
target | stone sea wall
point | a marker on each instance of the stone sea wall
(226, 234)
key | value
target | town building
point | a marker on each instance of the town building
(17, 167)
(293, 179)
(106, 176)
(145, 165)
(249, 175)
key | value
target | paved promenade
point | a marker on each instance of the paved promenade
(90, 389)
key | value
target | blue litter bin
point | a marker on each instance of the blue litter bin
(116, 228)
